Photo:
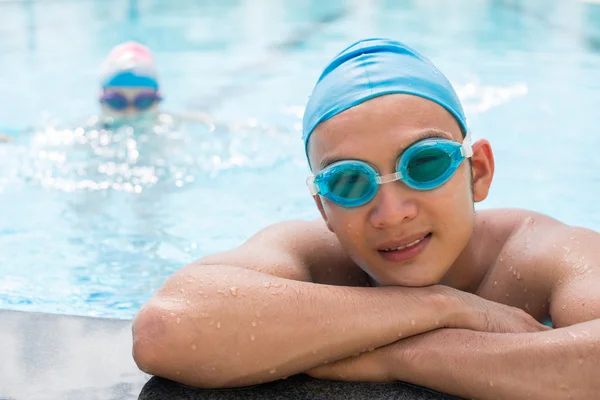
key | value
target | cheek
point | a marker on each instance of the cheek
(347, 223)
(453, 203)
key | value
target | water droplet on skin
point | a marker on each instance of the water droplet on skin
(162, 317)
(194, 347)
(413, 322)
(372, 348)
(328, 322)
(253, 323)
(527, 306)
(491, 384)
(272, 371)
(495, 283)
(507, 294)
(514, 273)
(565, 306)
(252, 337)
(188, 302)
(399, 334)
(573, 335)
(437, 322)
(178, 320)
(172, 314)
(218, 324)
(177, 373)
(233, 291)
(181, 290)
(518, 275)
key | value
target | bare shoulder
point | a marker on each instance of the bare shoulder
(541, 266)
(299, 250)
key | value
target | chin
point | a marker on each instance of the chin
(407, 281)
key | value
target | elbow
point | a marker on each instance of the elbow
(149, 335)
(161, 348)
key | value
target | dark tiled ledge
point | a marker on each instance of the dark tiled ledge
(59, 357)
(299, 387)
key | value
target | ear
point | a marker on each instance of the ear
(319, 204)
(482, 167)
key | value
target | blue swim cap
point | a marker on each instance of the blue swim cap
(375, 67)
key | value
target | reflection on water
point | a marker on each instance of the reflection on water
(113, 189)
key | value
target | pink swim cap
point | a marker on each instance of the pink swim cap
(129, 64)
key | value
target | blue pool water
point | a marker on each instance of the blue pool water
(92, 226)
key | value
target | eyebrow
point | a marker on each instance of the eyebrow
(422, 135)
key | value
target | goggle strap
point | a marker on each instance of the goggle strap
(312, 187)
(466, 149)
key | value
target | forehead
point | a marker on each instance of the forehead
(382, 124)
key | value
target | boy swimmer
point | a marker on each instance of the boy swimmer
(401, 279)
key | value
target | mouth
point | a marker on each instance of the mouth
(405, 251)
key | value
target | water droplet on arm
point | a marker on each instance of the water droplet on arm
(233, 291)
(413, 322)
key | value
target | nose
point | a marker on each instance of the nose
(394, 204)
(129, 111)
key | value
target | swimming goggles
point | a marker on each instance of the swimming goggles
(425, 165)
(141, 102)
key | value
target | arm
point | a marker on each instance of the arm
(559, 363)
(255, 314)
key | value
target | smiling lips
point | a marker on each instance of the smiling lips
(404, 249)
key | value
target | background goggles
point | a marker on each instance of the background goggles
(425, 165)
(141, 102)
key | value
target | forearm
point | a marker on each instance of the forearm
(216, 326)
(561, 363)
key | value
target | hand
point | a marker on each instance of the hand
(488, 316)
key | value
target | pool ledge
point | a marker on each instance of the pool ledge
(47, 356)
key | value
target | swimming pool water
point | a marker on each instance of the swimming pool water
(93, 224)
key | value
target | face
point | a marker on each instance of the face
(130, 93)
(430, 227)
